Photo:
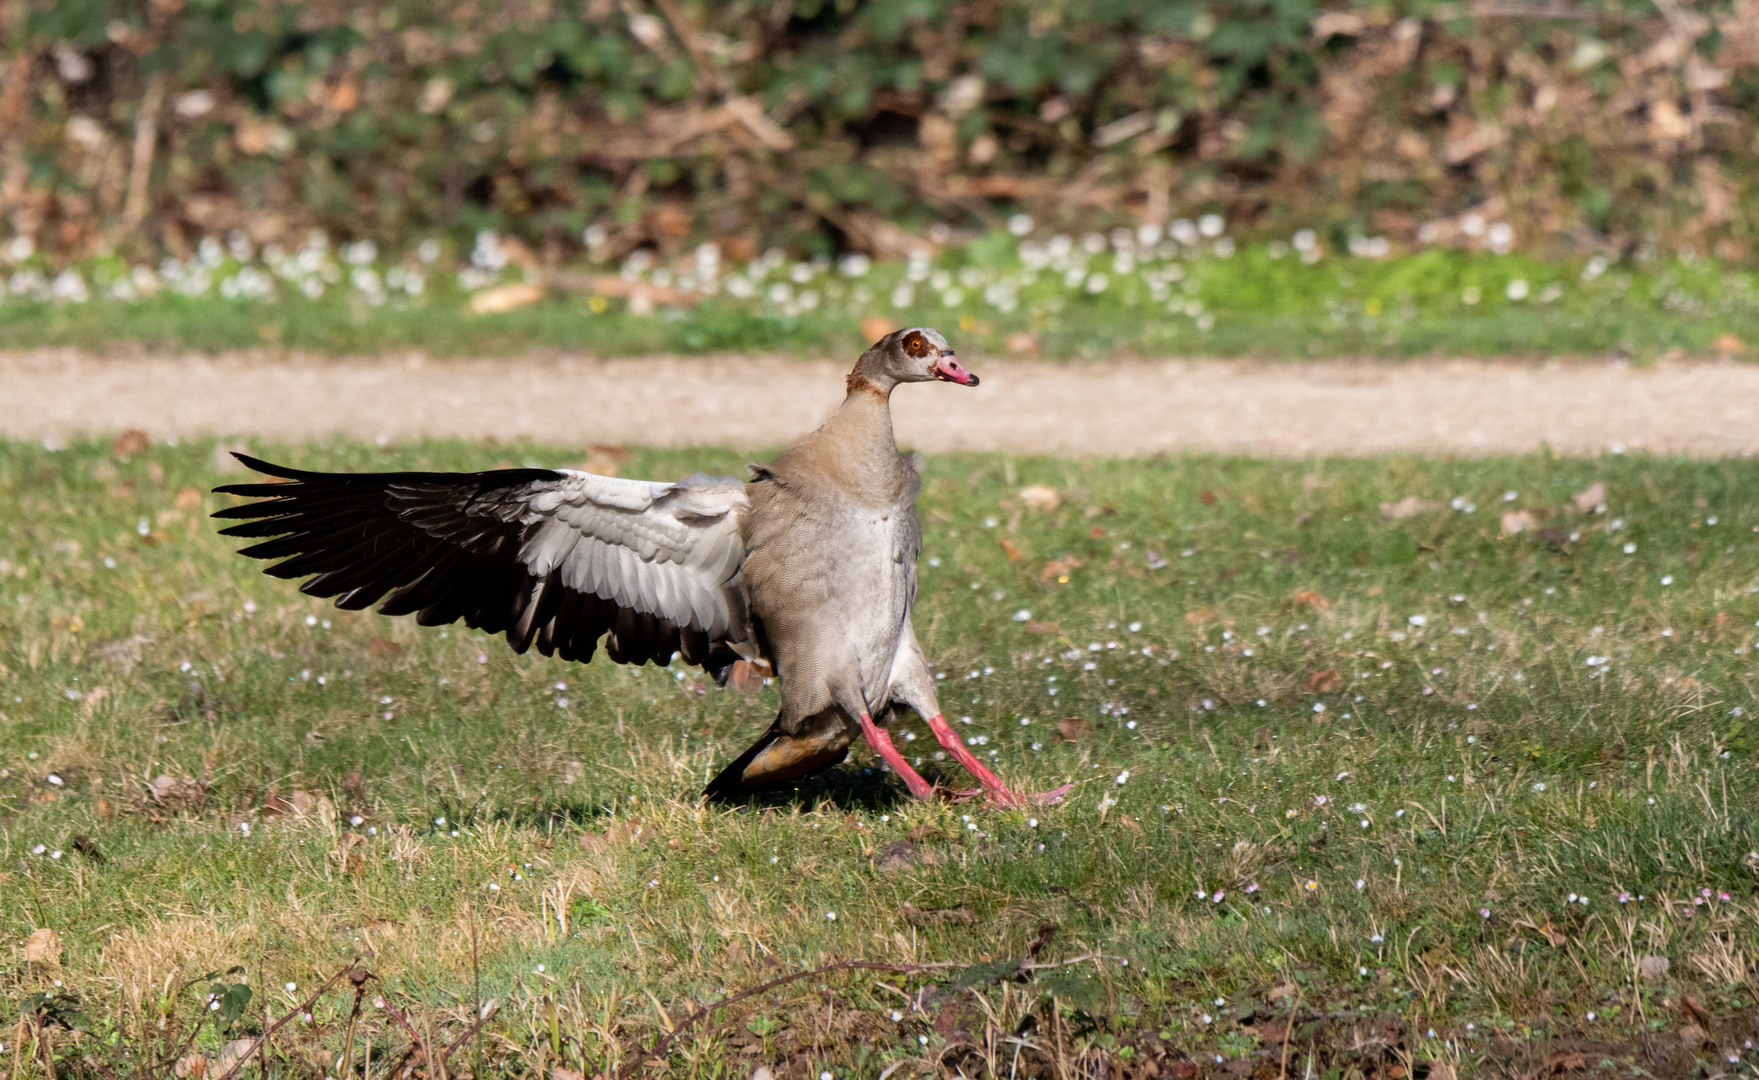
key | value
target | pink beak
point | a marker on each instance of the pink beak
(948, 369)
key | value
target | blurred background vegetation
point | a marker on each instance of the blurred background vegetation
(829, 126)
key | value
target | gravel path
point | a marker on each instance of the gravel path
(1124, 407)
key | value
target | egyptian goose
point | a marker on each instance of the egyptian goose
(810, 568)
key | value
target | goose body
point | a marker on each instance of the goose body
(810, 568)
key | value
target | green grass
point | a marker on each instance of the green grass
(1479, 760)
(1436, 302)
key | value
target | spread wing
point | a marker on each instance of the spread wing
(553, 557)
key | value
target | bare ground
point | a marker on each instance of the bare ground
(1124, 407)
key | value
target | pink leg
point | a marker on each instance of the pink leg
(881, 741)
(992, 785)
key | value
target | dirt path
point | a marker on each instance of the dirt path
(1125, 407)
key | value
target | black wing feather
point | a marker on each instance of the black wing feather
(441, 546)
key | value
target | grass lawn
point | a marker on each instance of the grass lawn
(1354, 796)
(1056, 300)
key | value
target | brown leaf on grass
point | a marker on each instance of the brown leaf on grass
(1059, 569)
(382, 648)
(1441, 1070)
(1694, 1010)
(1692, 1036)
(128, 444)
(1282, 993)
(1071, 728)
(1040, 497)
(1729, 344)
(1014, 553)
(916, 916)
(922, 832)
(1199, 616)
(1206, 497)
(1312, 599)
(1552, 934)
(504, 298)
(42, 947)
(1323, 682)
(1516, 521)
(1033, 626)
(83, 844)
(1408, 507)
(189, 499)
(1589, 497)
(902, 855)
(1046, 931)
(895, 856)
(1565, 1061)
(557, 1072)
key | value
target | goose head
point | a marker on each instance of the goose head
(913, 354)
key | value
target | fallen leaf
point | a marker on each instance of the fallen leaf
(383, 648)
(1311, 599)
(1070, 728)
(1441, 1070)
(1323, 682)
(1589, 497)
(1408, 507)
(1553, 934)
(505, 298)
(42, 947)
(1692, 1036)
(83, 844)
(1694, 1010)
(1021, 343)
(1199, 616)
(1730, 344)
(189, 499)
(557, 1072)
(1565, 1061)
(901, 855)
(1014, 553)
(1206, 497)
(1040, 497)
(1262, 739)
(1516, 521)
(129, 443)
(1059, 569)
(1034, 626)
(875, 327)
(345, 96)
